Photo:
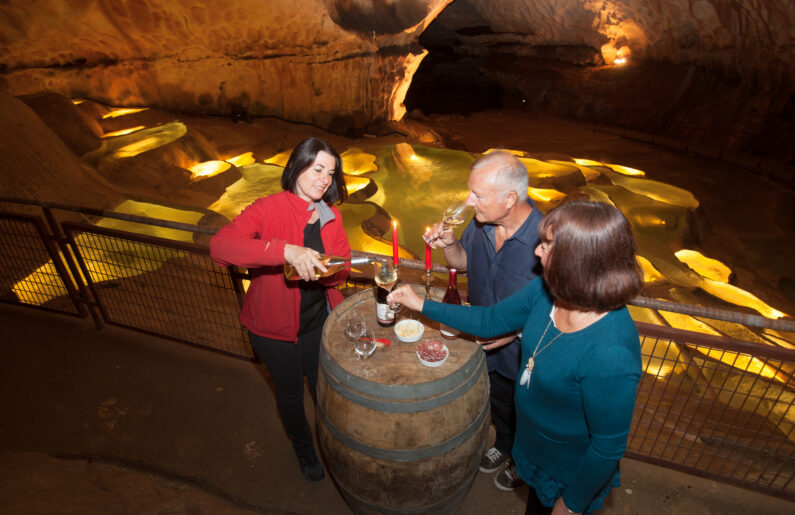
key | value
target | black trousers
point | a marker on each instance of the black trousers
(534, 506)
(288, 363)
(503, 412)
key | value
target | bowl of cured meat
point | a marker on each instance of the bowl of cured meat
(432, 353)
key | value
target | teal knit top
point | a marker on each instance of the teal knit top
(574, 415)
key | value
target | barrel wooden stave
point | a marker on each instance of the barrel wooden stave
(396, 446)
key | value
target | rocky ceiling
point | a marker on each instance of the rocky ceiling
(314, 60)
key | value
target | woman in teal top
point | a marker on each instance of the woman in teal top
(580, 355)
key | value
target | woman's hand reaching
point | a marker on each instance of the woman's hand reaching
(407, 296)
(305, 260)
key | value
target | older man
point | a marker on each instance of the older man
(496, 250)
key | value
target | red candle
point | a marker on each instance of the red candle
(427, 251)
(394, 243)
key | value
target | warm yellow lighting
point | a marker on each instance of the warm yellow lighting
(122, 112)
(108, 259)
(620, 60)
(545, 195)
(242, 160)
(587, 162)
(137, 142)
(209, 168)
(405, 152)
(518, 153)
(741, 361)
(77, 101)
(704, 266)
(650, 274)
(655, 190)
(123, 132)
(356, 161)
(354, 184)
(740, 297)
(626, 170)
(410, 64)
(646, 315)
(279, 159)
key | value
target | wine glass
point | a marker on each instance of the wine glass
(454, 216)
(364, 345)
(355, 326)
(386, 276)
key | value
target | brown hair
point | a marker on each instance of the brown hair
(302, 158)
(591, 263)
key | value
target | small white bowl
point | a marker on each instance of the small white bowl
(433, 364)
(409, 330)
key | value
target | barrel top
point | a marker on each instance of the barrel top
(397, 363)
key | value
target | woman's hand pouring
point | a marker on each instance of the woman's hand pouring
(305, 260)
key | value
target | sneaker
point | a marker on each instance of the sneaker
(492, 460)
(508, 480)
(311, 467)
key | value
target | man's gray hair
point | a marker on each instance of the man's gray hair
(508, 173)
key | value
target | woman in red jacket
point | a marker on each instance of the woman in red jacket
(285, 318)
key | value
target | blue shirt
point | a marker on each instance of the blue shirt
(493, 276)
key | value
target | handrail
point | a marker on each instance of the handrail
(414, 264)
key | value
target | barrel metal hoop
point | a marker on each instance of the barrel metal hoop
(406, 455)
(458, 494)
(391, 406)
(400, 392)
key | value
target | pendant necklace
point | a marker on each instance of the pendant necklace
(531, 362)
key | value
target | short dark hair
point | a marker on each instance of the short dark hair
(592, 262)
(302, 158)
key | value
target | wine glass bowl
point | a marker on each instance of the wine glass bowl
(355, 326)
(456, 214)
(385, 274)
(364, 345)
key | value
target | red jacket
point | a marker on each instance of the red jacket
(255, 240)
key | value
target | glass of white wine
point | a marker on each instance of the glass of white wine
(455, 215)
(385, 276)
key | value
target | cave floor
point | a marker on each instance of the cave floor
(113, 421)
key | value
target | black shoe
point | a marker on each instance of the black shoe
(492, 460)
(508, 480)
(311, 468)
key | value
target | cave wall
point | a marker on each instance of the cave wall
(315, 61)
(748, 39)
(304, 60)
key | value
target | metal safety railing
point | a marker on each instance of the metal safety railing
(707, 405)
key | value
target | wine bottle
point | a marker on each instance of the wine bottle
(333, 265)
(385, 278)
(383, 314)
(451, 296)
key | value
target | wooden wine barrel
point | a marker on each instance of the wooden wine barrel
(397, 436)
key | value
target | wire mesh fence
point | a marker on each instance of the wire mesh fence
(706, 405)
(160, 287)
(716, 407)
(29, 269)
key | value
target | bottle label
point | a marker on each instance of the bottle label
(384, 314)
